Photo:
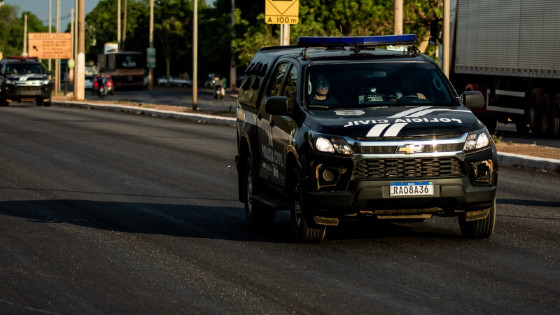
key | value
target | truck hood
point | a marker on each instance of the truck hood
(393, 122)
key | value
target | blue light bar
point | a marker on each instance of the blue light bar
(333, 41)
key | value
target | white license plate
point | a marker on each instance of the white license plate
(404, 189)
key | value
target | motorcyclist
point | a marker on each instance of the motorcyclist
(102, 83)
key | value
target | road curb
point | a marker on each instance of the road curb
(193, 117)
(504, 159)
(525, 161)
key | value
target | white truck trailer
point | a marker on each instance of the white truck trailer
(510, 51)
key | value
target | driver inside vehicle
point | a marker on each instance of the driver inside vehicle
(320, 93)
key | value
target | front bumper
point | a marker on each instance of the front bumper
(461, 183)
(22, 92)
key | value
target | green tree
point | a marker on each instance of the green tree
(11, 29)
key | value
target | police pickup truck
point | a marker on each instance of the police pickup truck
(24, 79)
(336, 128)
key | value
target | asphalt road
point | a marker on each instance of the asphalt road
(104, 213)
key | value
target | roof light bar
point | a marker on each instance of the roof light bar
(333, 41)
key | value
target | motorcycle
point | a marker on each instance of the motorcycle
(219, 92)
(101, 86)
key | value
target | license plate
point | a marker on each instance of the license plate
(405, 189)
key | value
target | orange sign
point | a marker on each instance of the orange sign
(50, 45)
(281, 11)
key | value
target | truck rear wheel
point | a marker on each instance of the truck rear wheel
(479, 228)
(539, 105)
(303, 226)
(555, 123)
(256, 214)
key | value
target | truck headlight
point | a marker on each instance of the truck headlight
(477, 140)
(330, 144)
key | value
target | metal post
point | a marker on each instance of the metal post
(57, 61)
(50, 26)
(24, 53)
(232, 71)
(119, 25)
(81, 62)
(124, 25)
(446, 35)
(151, 70)
(195, 56)
(398, 17)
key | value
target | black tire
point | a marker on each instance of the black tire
(47, 103)
(39, 102)
(539, 112)
(255, 213)
(479, 228)
(555, 123)
(304, 227)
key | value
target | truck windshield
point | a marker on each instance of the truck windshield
(355, 85)
(25, 69)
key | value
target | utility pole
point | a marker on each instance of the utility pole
(50, 27)
(398, 17)
(57, 61)
(195, 56)
(151, 70)
(124, 25)
(446, 35)
(119, 25)
(232, 71)
(24, 53)
(81, 60)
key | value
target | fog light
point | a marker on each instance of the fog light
(483, 171)
(328, 176)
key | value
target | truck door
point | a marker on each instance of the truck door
(274, 131)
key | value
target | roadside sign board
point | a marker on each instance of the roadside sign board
(50, 45)
(281, 11)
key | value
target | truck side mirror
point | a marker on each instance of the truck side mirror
(473, 99)
(277, 105)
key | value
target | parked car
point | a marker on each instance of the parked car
(174, 81)
(110, 85)
(88, 82)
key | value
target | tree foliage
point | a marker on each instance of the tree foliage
(11, 29)
(217, 40)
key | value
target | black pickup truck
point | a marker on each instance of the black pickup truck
(336, 128)
(24, 79)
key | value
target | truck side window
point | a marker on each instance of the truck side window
(277, 79)
(290, 88)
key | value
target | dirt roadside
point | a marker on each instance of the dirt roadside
(529, 149)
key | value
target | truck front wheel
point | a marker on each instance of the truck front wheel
(303, 226)
(479, 228)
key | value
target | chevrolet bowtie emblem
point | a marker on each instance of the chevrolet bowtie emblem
(410, 148)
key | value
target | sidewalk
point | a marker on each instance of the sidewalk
(223, 113)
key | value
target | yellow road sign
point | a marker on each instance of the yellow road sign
(281, 11)
(50, 45)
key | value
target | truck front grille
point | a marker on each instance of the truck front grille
(407, 168)
(392, 149)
